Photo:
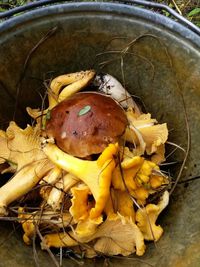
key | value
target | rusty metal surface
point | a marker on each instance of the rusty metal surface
(82, 33)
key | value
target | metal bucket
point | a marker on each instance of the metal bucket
(164, 67)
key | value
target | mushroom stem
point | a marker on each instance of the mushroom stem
(57, 193)
(50, 218)
(53, 176)
(24, 180)
(59, 240)
(96, 174)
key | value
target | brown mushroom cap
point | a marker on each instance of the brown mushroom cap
(86, 123)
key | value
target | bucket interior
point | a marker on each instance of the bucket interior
(162, 67)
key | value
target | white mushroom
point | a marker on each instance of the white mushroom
(111, 86)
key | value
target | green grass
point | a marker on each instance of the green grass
(188, 8)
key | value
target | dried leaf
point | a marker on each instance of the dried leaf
(84, 110)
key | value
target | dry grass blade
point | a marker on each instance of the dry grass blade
(177, 146)
(169, 163)
(46, 247)
(188, 145)
(35, 254)
(106, 62)
(191, 179)
(176, 6)
(128, 53)
(171, 153)
(122, 53)
(61, 256)
(43, 108)
(185, 115)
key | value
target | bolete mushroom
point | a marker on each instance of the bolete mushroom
(86, 123)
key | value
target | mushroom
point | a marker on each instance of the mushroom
(52, 177)
(22, 147)
(56, 195)
(139, 176)
(124, 177)
(4, 153)
(147, 216)
(110, 236)
(59, 240)
(80, 206)
(46, 218)
(159, 156)
(123, 204)
(154, 136)
(87, 227)
(95, 174)
(143, 130)
(22, 182)
(86, 123)
(109, 85)
(74, 81)
(59, 153)
(80, 210)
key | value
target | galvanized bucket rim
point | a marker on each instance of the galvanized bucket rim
(165, 23)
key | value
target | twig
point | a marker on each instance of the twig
(189, 179)
(61, 256)
(102, 64)
(35, 254)
(46, 247)
(188, 143)
(185, 117)
(177, 8)
(173, 144)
